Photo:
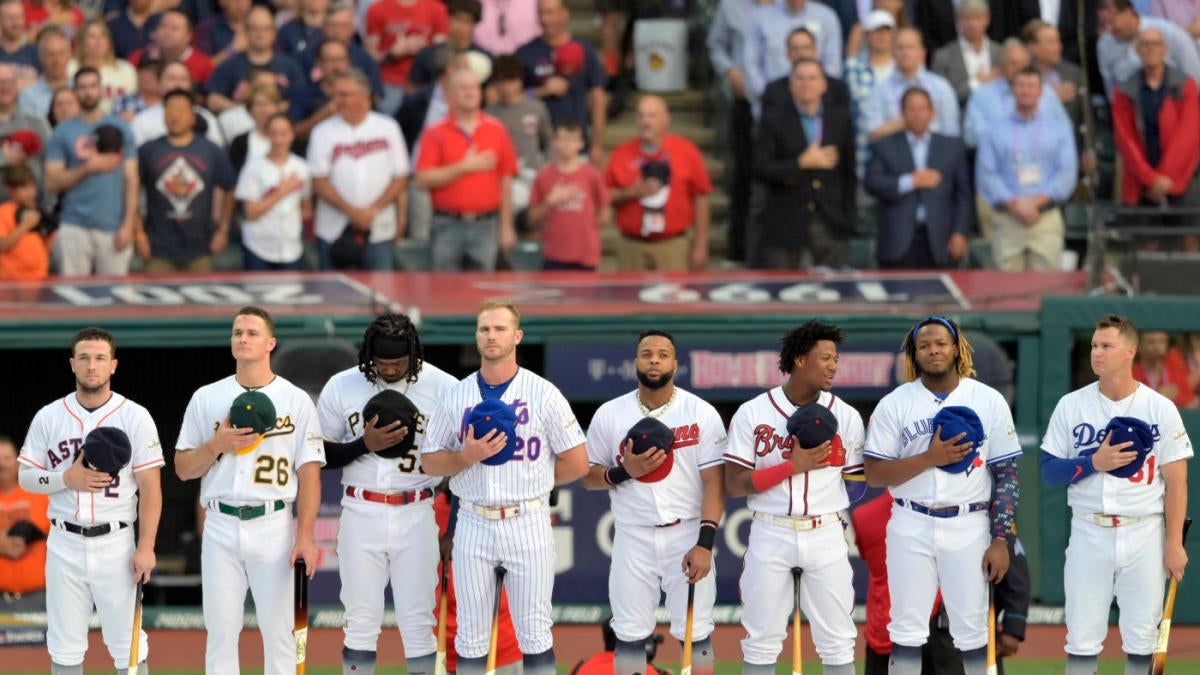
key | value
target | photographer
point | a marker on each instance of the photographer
(24, 232)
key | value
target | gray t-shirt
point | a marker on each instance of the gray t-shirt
(528, 123)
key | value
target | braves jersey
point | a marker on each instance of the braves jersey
(545, 427)
(759, 439)
(1078, 424)
(339, 410)
(269, 471)
(55, 440)
(902, 426)
(700, 443)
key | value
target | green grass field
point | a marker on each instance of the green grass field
(1015, 667)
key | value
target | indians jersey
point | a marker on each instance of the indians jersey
(902, 426)
(545, 427)
(759, 439)
(700, 442)
(339, 410)
(267, 472)
(55, 440)
(1078, 424)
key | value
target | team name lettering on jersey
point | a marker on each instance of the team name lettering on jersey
(1087, 436)
(355, 419)
(766, 441)
(67, 451)
(686, 436)
(919, 428)
(283, 427)
(527, 448)
(360, 149)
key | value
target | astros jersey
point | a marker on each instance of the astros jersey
(1078, 424)
(700, 442)
(758, 439)
(55, 439)
(268, 472)
(902, 426)
(339, 410)
(545, 427)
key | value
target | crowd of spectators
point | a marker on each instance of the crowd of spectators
(313, 133)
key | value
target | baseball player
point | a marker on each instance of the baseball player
(953, 516)
(388, 531)
(504, 515)
(91, 555)
(796, 494)
(664, 529)
(1127, 529)
(248, 483)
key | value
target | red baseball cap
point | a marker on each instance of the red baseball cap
(26, 139)
(569, 59)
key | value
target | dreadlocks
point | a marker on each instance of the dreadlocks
(962, 363)
(390, 336)
(801, 340)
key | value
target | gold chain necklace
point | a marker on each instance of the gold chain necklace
(657, 412)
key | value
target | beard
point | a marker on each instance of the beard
(92, 389)
(655, 382)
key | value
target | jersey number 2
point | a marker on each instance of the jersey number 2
(111, 491)
(271, 471)
(1144, 474)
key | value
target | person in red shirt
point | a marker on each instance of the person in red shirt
(568, 204)
(603, 663)
(23, 529)
(395, 31)
(1162, 368)
(660, 190)
(467, 162)
(40, 13)
(24, 252)
(173, 42)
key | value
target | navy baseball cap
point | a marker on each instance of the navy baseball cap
(954, 420)
(107, 449)
(1123, 429)
(392, 406)
(812, 425)
(492, 414)
(649, 433)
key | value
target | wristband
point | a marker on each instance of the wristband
(765, 479)
(708, 534)
(616, 475)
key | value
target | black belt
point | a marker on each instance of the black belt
(89, 530)
(467, 216)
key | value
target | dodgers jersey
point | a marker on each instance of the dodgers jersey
(545, 427)
(700, 443)
(339, 410)
(269, 471)
(1078, 424)
(55, 440)
(902, 426)
(759, 439)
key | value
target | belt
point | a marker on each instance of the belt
(796, 523)
(1107, 520)
(501, 512)
(251, 511)
(942, 511)
(467, 216)
(89, 530)
(389, 498)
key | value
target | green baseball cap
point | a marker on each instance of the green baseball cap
(252, 410)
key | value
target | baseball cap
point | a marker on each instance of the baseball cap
(569, 59)
(1124, 429)
(346, 252)
(646, 434)
(252, 410)
(107, 449)
(878, 18)
(392, 406)
(954, 420)
(109, 139)
(26, 139)
(480, 64)
(492, 414)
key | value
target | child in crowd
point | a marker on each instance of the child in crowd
(569, 203)
(24, 251)
(276, 194)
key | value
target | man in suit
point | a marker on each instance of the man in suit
(970, 60)
(806, 160)
(923, 185)
(802, 45)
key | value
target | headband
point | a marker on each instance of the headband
(935, 319)
(390, 346)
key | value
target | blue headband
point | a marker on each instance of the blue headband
(935, 319)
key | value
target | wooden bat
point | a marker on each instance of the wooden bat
(797, 662)
(300, 603)
(137, 629)
(494, 644)
(992, 668)
(686, 668)
(1158, 661)
(439, 667)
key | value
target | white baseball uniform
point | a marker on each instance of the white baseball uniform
(82, 570)
(378, 541)
(925, 552)
(360, 163)
(658, 523)
(1121, 553)
(504, 515)
(252, 549)
(796, 525)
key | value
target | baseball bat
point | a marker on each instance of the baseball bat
(136, 637)
(439, 667)
(686, 668)
(1158, 661)
(797, 663)
(300, 604)
(992, 668)
(494, 643)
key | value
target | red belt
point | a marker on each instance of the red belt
(392, 498)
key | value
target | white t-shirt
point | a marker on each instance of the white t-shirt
(150, 124)
(1078, 424)
(360, 163)
(56, 438)
(276, 236)
(236, 121)
(700, 443)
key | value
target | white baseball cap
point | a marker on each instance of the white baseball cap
(878, 18)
